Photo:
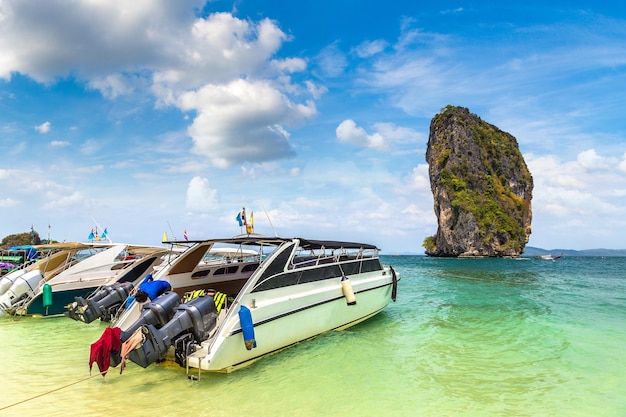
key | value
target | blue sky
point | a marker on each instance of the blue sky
(155, 116)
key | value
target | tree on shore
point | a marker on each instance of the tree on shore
(19, 239)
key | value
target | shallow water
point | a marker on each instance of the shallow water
(471, 337)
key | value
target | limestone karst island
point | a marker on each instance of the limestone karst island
(481, 186)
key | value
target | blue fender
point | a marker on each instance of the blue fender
(247, 327)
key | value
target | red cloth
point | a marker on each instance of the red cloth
(101, 349)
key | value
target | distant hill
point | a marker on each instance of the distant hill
(532, 251)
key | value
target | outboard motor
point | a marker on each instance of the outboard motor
(7, 280)
(192, 322)
(102, 304)
(23, 286)
(156, 313)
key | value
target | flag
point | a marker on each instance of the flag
(104, 233)
(250, 225)
(92, 235)
(185, 235)
(164, 236)
(243, 216)
(238, 218)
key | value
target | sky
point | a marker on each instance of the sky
(158, 116)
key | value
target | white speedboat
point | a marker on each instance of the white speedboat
(104, 264)
(22, 283)
(548, 257)
(292, 290)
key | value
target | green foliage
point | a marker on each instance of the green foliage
(19, 239)
(441, 161)
(484, 190)
(429, 244)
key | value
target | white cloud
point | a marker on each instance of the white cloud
(349, 132)
(331, 61)
(315, 90)
(44, 127)
(576, 202)
(398, 134)
(220, 47)
(243, 121)
(8, 202)
(73, 200)
(200, 196)
(221, 68)
(90, 147)
(622, 164)
(59, 143)
(418, 180)
(370, 48)
(452, 11)
(590, 160)
(114, 85)
(104, 36)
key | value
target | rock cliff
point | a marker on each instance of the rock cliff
(481, 186)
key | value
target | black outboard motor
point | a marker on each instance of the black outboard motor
(192, 322)
(156, 313)
(102, 304)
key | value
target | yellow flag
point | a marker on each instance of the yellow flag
(250, 224)
(164, 236)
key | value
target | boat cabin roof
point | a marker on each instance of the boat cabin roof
(308, 244)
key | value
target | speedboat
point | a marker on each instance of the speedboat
(103, 264)
(107, 302)
(244, 308)
(548, 257)
(23, 282)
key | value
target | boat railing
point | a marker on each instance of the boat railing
(306, 261)
(303, 261)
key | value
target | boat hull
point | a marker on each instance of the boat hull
(280, 324)
(60, 300)
(64, 293)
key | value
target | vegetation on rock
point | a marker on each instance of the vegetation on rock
(20, 239)
(481, 186)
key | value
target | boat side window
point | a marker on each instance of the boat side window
(200, 274)
(278, 264)
(250, 267)
(318, 274)
(226, 270)
(303, 261)
(361, 266)
(370, 265)
(274, 270)
(278, 281)
(300, 276)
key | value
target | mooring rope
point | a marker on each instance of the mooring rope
(51, 391)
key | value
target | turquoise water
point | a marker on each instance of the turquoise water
(467, 337)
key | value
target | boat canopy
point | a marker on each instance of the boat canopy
(334, 244)
(308, 244)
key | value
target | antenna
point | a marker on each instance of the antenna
(268, 219)
(168, 225)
